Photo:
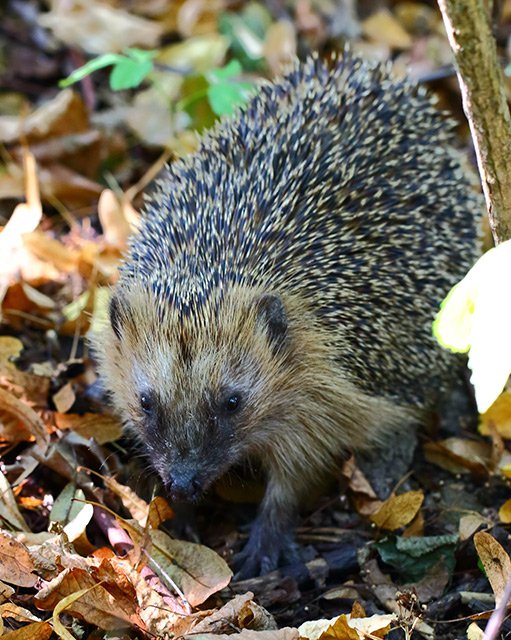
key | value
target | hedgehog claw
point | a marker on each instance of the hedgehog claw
(264, 552)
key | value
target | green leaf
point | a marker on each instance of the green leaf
(413, 557)
(231, 70)
(224, 93)
(100, 62)
(476, 315)
(129, 73)
(224, 98)
(141, 55)
(129, 68)
(246, 33)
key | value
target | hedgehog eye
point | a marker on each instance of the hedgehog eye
(146, 403)
(232, 403)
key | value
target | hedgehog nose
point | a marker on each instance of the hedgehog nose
(183, 485)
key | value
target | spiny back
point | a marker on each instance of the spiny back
(338, 185)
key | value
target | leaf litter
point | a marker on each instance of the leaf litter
(85, 547)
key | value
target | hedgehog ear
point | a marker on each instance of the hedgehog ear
(271, 312)
(116, 311)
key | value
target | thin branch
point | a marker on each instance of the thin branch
(484, 101)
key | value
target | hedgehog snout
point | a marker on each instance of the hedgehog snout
(183, 483)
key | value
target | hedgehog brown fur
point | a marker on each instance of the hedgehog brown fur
(277, 302)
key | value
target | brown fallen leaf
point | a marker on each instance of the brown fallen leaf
(65, 113)
(26, 415)
(346, 627)
(279, 46)
(159, 511)
(9, 511)
(382, 27)
(35, 387)
(53, 251)
(99, 28)
(197, 570)
(114, 219)
(11, 610)
(241, 612)
(470, 523)
(138, 507)
(398, 511)
(16, 566)
(109, 602)
(102, 427)
(6, 591)
(498, 416)
(496, 563)
(375, 626)
(34, 631)
(460, 455)
(363, 496)
(24, 219)
(65, 398)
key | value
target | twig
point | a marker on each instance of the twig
(484, 101)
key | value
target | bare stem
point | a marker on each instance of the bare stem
(467, 23)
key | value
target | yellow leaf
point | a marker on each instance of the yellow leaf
(499, 416)
(35, 631)
(383, 28)
(398, 511)
(496, 563)
(505, 512)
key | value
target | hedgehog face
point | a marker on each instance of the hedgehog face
(199, 404)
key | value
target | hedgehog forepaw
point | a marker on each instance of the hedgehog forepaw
(266, 550)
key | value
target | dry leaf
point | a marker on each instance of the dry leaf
(496, 563)
(196, 17)
(474, 632)
(460, 455)
(344, 627)
(89, 599)
(505, 512)
(11, 610)
(65, 113)
(138, 508)
(279, 46)
(9, 511)
(100, 426)
(114, 221)
(398, 511)
(35, 387)
(52, 251)
(364, 498)
(26, 415)
(6, 591)
(470, 523)
(24, 219)
(37, 298)
(383, 28)
(34, 631)
(375, 626)
(498, 415)
(416, 527)
(159, 511)
(99, 28)
(197, 570)
(16, 566)
(241, 612)
(65, 398)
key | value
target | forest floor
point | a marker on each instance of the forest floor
(398, 543)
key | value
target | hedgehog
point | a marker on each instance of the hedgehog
(275, 305)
